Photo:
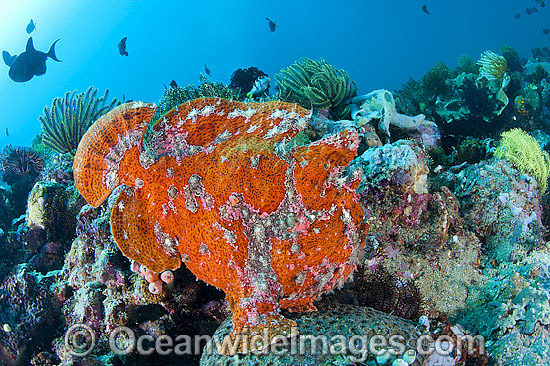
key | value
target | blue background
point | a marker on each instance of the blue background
(381, 44)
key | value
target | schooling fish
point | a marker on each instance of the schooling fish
(541, 3)
(122, 47)
(207, 70)
(29, 63)
(517, 15)
(260, 85)
(425, 9)
(272, 25)
(546, 31)
(532, 10)
(30, 27)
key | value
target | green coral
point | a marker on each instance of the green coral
(525, 153)
(66, 121)
(317, 85)
(467, 65)
(512, 58)
(175, 95)
(434, 82)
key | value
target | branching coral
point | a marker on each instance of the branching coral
(317, 85)
(493, 66)
(434, 82)
(206, 89)
(66, 121)
(525, 153)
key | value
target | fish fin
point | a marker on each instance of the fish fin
(30, 46)
(133, 229)
(8, 59)
(51, 52)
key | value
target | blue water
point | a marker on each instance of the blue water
(381, 44)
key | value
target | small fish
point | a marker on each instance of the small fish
(7, 134)
(260, 85)
(425, 9)
(517, 15)
(546, 31)
(29, 63)
(173, 84)
(541, 3)
(532, 10)
(272, 25)
(30, 27)
(122, 47)
(207, 70)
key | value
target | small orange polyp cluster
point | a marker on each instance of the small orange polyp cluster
(272, 224)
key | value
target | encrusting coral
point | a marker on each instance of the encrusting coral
(525, 153)
(317, 85)
(66, 121)
(272, 224)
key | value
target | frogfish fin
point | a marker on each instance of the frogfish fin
(138, 236)
(97, 163)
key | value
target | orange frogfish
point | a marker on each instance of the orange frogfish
(225, 188)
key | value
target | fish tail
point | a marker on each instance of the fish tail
(51, 52)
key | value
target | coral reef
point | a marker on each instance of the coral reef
(281, 217)
(66, 121)
(317, 85)
(175, 95)
(25, 305)
(434, 82)
(500, 205)
(380, 105)
(334, 324)
(525, 153)
(379, 289)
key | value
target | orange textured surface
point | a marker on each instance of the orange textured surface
(270, 224)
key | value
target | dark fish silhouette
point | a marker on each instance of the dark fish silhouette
(173, 84)
(425, 9)
(8, 59)
(517, 15)
(546, 31)
(30, 27)
(7, 134)
(532, 10)
(207, 70)
(29, 63)
(122, 47)
(272, 25)
(541, 3)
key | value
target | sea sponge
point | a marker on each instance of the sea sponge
(317, 85)
(525, 153)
